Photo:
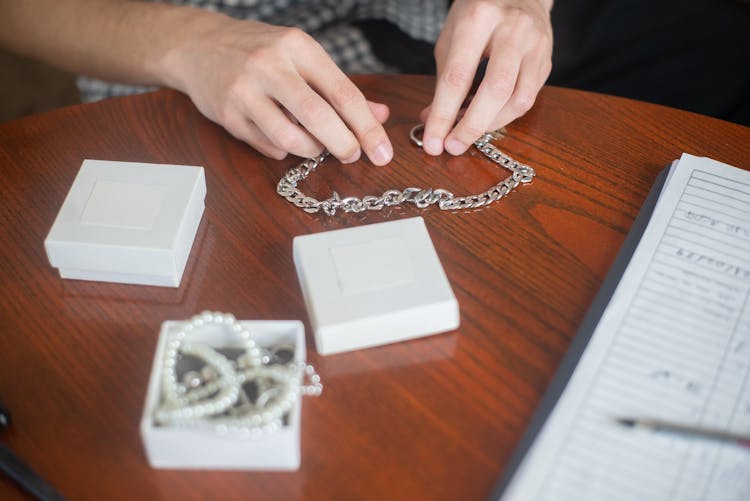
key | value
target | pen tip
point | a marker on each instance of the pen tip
(626, 422)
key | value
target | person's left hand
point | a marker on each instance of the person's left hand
(516, 35)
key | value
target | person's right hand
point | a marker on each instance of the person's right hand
(276, 89)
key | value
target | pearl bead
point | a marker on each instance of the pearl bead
(202, 398)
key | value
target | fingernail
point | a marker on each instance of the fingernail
(383, 154)
(455, 147)
(433, 146)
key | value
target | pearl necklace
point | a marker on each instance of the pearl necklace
(209, 400)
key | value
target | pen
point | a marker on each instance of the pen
(687, 431)
(4, 416)
(15, 468)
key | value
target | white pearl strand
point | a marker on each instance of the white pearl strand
(179, 408)
(192, 409)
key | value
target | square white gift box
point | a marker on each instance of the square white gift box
(128, 222)
(214, 442)
(374, 284)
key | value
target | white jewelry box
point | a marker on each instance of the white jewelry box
(185, 448)
(374, 284)
(128, 222)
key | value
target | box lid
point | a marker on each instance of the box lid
(128, 222)
(373, 284)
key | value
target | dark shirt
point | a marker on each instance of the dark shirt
(688, 54)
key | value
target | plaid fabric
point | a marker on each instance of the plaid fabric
(330, 22)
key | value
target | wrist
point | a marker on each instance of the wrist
(182, 31)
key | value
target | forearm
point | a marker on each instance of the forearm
(126, 41)
(271, 86)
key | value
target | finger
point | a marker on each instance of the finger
(317, 117)
(351, 106)
(532, 74)
(246, 131)
(454, 80)
(318, 147)
(379, 110)
(494, 93)
(424, 114)
(282, 131)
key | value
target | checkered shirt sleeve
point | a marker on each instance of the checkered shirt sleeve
(328, 21)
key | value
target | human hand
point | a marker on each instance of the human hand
(276, 89)
(516, 35)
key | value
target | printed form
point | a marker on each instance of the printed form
(673, 345)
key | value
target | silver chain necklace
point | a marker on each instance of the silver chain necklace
(421, 197)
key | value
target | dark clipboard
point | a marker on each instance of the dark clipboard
(582, 337)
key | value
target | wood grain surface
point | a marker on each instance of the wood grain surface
(434, 418)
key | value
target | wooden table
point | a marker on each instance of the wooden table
(434, 418)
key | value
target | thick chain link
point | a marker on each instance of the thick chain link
(421, 197)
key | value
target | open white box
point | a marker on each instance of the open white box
(373, 284)
(181, 447)
(128, 222)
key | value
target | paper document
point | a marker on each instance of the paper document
(673, 344)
